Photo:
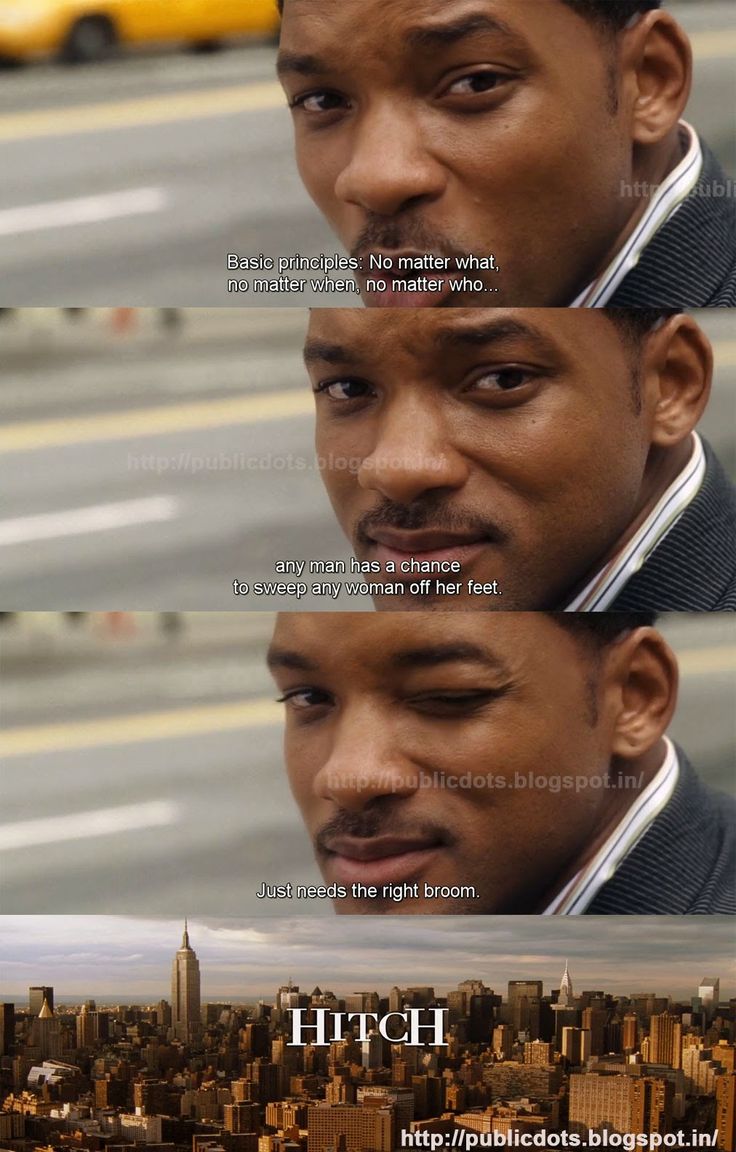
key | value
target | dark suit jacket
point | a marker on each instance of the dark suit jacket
(691, 262)
(694, 567)
(684, 863)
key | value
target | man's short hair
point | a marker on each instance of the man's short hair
(594, 632)
(634, 324)
(614, 14)
(600, 629)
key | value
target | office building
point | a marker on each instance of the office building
(185, 992)
(36, 996)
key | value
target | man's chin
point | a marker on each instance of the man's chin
(429, 893)
(412, 907)
(430, 603)
(490, 296)
(433, 599)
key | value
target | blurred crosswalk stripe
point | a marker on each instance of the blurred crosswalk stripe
(140, 727)
(161, 421)
(85, 825)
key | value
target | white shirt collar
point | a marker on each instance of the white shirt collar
(575, 897)
(667, 199)
(600, 592)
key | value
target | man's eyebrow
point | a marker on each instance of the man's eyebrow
(300, 64)
(432, 655)
(429, 36)
(322, 350)
(289, 660)
(493, 332)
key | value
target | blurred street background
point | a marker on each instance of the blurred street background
(148, 460)
(129, 181)
(142, 760)
(149, 466)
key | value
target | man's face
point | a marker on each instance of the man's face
(509, 442)
(461, 126)
(410, 741)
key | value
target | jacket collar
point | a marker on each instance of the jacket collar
(665, 201)
(684, 863)
(693, 569)
(690, 263)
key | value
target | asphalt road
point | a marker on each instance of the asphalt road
(129, 182)
(143, 775)
(202, 504)
(150, 472)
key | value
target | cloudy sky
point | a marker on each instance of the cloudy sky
(88, 956)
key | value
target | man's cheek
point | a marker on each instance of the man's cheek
(345, 497)
(311, 178)
(300, 781)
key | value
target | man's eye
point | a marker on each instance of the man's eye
(317, 103)
(302, 699)
(453, 704)
(344, 389)
(502, 380)
(476, 84)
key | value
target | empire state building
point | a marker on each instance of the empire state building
(185, 1004)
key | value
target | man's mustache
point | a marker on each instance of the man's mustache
(400, 235)
(428, 512)
(379, 818)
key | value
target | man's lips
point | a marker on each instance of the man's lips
(378, 860)
(389, 544)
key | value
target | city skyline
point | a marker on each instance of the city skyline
(130, 957)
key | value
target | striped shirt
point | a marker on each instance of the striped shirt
(606, 585)
(581, 890)
(667, 199)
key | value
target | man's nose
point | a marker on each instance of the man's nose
(390, 168)
(412, 453)
(364, 762)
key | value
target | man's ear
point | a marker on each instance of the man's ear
(640, 678)
(657, 67)
(677, 374)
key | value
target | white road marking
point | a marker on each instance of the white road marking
(82, 521)
(84, 825)
(82, 210)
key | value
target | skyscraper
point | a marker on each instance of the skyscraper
(503, 1041)
(7, 1028)
(566, 1014)
(726, 1111)
(665, 1037)
(630, 1037)
(565, 998)
(575, 1046)
(37, 993)
(47, 1034)
(371, 1051)
(185, 985)
(85, 1028)
(709, 993)
(523, 1005)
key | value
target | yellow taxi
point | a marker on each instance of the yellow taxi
(81, 30)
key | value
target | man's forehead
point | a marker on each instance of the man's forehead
(356, 333)
(402, 641)
(417, 21)
(419, 11)
(313, 32)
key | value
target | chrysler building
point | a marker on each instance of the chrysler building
(565, 998)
